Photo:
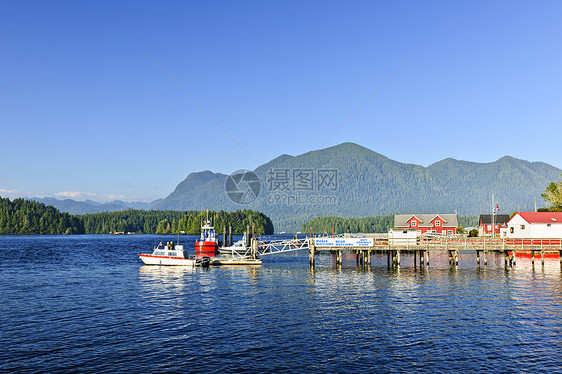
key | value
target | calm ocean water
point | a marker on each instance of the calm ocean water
(86, 304)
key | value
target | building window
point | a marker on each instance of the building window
(437, 223)
(449, 232)
(414, 223)
(522, 227)
(511, 230)
(548, 225)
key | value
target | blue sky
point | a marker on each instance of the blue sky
(86, 112)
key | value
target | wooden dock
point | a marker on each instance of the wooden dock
(423, 248)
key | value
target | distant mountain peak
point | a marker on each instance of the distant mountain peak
(90, 206)
(348, 146)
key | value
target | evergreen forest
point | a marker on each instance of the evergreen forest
(22, 216)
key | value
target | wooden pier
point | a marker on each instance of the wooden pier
(422, 250)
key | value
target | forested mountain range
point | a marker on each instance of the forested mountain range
(370, 184)
(365, 184)
(89, 206)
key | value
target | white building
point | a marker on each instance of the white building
(403, 237)
(547, 225)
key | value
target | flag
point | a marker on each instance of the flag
(497, 207)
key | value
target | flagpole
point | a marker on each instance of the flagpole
(493, 216)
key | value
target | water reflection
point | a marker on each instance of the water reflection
(111, 313)
(163, 282)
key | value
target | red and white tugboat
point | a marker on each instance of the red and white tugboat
(208, 244)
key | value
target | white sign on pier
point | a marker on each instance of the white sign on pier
(344, 242)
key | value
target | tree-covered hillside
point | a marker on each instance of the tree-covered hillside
(341, 225)
(29, 217)
(172, 222)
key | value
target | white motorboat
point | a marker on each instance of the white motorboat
(237, 249)
(174, 255)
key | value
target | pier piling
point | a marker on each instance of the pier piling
(311, 250)
(388, 259)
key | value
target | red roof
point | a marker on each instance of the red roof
(541, 217)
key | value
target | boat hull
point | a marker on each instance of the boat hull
(222, 261)
(166, 260)
(206, 249)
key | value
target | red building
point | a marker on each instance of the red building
(485, 223)
(441, 224)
